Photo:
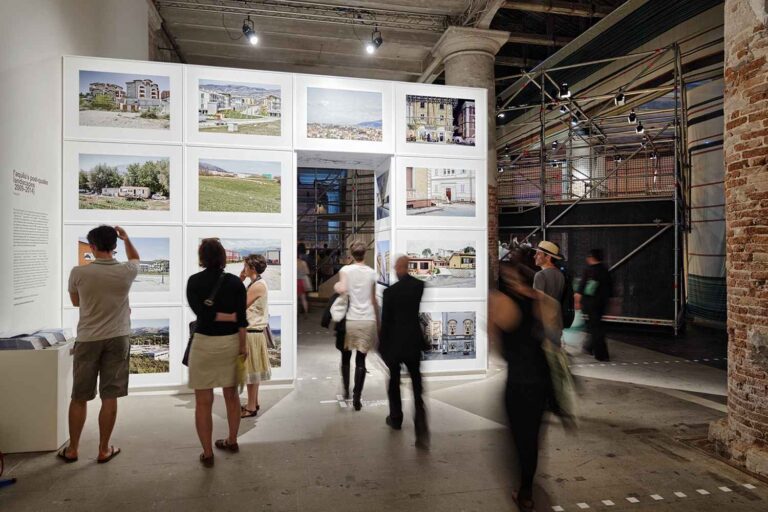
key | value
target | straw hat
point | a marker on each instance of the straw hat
(549, 248)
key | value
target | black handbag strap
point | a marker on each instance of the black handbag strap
(210, 301)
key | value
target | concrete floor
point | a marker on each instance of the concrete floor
(306, 452)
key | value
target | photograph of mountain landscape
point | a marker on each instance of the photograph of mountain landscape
(154, 267)
(344, 114)
(239, 108)
(150, 349)
(124, 182)
(122, 100)
(238, 248)
(239, 186)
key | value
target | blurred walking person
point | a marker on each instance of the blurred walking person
(593, 294)
(257, 367)
(401, 343)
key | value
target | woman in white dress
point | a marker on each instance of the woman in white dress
(257, 367)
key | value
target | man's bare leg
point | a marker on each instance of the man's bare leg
(78, 410)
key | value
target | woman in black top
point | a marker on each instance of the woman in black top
(219, 340)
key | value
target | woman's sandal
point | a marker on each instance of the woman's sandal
(223, 444)
(247, 413)
(206, 461)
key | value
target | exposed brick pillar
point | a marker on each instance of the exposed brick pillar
(743, 435)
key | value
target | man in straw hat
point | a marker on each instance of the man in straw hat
(549, 279)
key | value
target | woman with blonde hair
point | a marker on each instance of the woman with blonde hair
(257, 368)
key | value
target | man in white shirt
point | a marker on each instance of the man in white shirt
(100, 289)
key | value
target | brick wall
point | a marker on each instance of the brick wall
(743, 435)
(493, 236)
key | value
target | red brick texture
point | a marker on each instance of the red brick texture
(493, 236)
(743, 435)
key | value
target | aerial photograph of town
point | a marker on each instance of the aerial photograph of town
(239, 186)
(275, 352)
(238, 108)
(238, 248)
(449, 335)
(442, 264)
(122, 100)
(150, 346)
(154, 266)
(344, 114)
(436, 120)
(440, 192)
(124, 182)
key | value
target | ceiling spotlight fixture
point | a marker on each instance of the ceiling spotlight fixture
(618, 159)
(554, 163)
(564, 93)
(640, 129)
(554, 144)
(376, 41)
(563, 109)
(249, 32)
(501, 170)
(574, 121)
(632, 117)
(620, 99)
(653, 155)
(501, 115)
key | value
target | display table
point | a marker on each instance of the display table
(34, 398)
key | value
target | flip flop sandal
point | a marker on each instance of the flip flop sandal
(62, 454)
(247, 413)
(206, 461)
(223, 444)
(114, 452)
(245, 408)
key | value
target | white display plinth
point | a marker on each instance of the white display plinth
(34, 398)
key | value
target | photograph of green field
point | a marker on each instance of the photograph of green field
(149, 346)
(239, 186)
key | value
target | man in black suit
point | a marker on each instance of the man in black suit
(402, 341)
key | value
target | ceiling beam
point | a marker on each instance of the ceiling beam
(559, 7)
(514, 62)
(538, 39)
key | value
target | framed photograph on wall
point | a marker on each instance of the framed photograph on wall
(441, 192)
(282, 355)
(344, 114)
(275, 244)
(236, 107)
(239, 186)
(384, 265)
(452, 263)
(160, 278)
(128, 183)
(438, 120)
(122, 101)
(383, 194)
(157, 345)
(456, 335)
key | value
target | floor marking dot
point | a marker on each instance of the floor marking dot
(705, 359)
(300, 378)
(328, 378)
(749, 486)
(582, 506)
(703, 492)
(633, 500)
(680, 494)
(558, 508)
(657, 497)
(725, 489)
(314, 378)
(608, 503)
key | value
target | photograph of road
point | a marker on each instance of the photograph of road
(239, 108)
(442, 264)
(383, 262)
(122, 100)
(275, 353)
(436, 120)
(124, 182)
(237, 249)
(154, 266)
(344, 114)
(150, 346)
(440, 192)
(382, 196)
(449, 335)
(239, 186)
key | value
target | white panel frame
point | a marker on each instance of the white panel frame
(288, 342)
(72, 128)
(404, 148)
(176, 344)
(72, 211)
(480, 361)
(302, 142)
(287, 179)
(478, 221)
(287, 253)
(173, 297)
(192, 77)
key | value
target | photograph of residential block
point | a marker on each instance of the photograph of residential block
(275, 353)
(344, 114)
(154, 267)
(237, 249)
(442, 264)
(382, 196)
(238, 108)
(122, 100)
(440, 192)
(436, 120)
(150, 346)
(123, 182)
(238, 186)
(449, 335)
(383, 262)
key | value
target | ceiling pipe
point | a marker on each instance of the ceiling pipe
(559, 7)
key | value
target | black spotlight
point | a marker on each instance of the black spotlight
(632, 117)
(554, 144)
(620, 99)
(249, 32)
(563, 109)
(501, 170)
(618, 159)
(564, 93)
(376, 41)
(653, 155)
(640, 128)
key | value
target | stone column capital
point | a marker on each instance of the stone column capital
(457, 40)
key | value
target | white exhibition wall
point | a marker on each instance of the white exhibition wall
(212, 152)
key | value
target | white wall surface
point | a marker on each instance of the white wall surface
(34, 35)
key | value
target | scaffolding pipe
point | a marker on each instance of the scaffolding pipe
(640, 247)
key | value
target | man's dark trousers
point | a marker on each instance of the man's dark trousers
(393, 392)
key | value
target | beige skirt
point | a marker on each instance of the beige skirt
(361, 335)
(257, 366)
(213, 361)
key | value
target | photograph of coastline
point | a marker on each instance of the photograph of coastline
(239, 108)
(437, 120)
(123, 182)
(344, 114)
(383, 262)
(382, 196)
(440, 192)
(150, 346)
(124, 100)
(450, 335)
(275, 353)
(237, 249)
(239, 186)
(154, 266)
(443, 264)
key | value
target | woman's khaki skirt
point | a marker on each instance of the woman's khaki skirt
(213, 361)
(361, 335)
(257, 366)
